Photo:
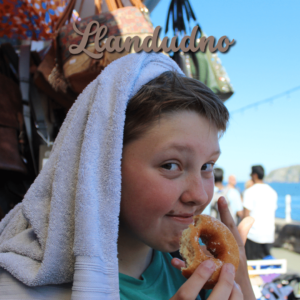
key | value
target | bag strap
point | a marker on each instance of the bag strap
(24, 76)
(116, 4)
(39, 113)
(34, 105)
(98, 6)
(66, 16)
(176, 9)
(194, 57)
(139, 4)
(113, 4)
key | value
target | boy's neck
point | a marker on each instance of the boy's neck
(258, 181)
(134, 258)
(230, 186)
(219, 185)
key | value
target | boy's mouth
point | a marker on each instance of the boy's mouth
(182, 218)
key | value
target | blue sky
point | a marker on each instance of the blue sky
(264, 62)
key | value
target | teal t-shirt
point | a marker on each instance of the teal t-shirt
(160, 281)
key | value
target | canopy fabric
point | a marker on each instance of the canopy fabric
(29, 19)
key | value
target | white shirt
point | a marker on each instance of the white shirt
(261, 200)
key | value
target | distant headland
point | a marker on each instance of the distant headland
(287, 174)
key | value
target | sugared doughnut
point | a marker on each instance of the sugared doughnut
(219, 242)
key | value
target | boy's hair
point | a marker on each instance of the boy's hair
(218, 174)
(259, 170)
(171, 92)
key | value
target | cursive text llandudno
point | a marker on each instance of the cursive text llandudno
(114, 43)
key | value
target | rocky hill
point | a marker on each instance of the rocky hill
(288, 174)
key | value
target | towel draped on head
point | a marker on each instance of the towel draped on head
(66, 228)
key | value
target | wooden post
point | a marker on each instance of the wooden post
(288, 200)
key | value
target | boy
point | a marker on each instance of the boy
(168, 149)
(167, 171)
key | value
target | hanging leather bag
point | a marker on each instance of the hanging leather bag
(11, 123)
(207, 68)
(40, 79)
(203, 66)
(75, 72)
(81, 69)
(11, 118)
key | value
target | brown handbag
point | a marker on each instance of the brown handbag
(40, 79)
(11, 117)
(75, 72)
(11, 125)
(66, 97)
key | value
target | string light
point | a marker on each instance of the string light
(288, 92)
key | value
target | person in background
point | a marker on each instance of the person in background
(219, 190)
(247, 185)
(234, 199)
(229, 192)
(213, 209)
(260, 202)
(219, 174)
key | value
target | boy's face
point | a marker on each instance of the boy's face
(167, 177)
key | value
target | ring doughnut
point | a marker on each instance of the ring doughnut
(219, 242)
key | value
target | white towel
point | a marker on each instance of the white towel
(66, 228)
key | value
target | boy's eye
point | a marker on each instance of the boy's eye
(208, 167)
(170, 166)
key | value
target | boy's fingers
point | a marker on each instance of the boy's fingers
(244, 227)
(236, 293)
(227, 219)
(191, 288)
(224, 287)
(177, 263)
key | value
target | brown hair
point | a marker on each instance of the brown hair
(171, 92)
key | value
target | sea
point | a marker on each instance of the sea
(283, 189)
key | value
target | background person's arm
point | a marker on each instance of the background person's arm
(247, 203)
(240, 214)
(246, 212)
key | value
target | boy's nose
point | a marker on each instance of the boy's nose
(195, 193)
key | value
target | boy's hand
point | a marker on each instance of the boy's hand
(225, 289)
(240, 235)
